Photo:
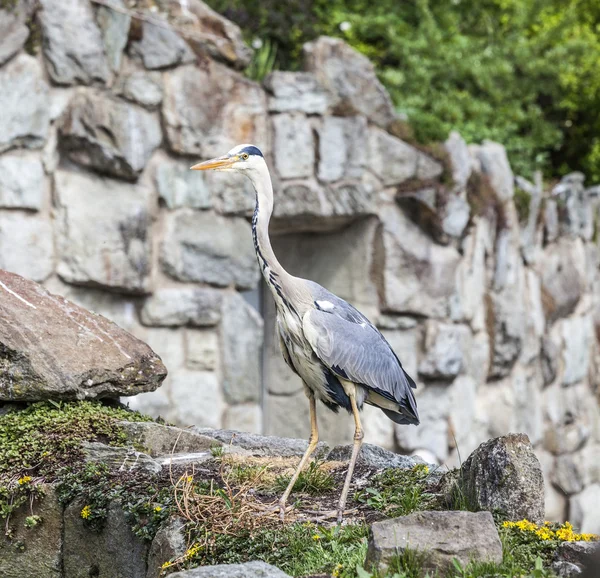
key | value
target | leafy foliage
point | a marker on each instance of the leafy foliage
(525, 73)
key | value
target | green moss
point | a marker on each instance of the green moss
(522, 201)
(399, 492)
(9, 5)
(45, 436)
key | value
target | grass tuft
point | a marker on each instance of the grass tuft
(312, 480)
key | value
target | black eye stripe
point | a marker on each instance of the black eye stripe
(252, 150)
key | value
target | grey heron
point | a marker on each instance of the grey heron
(341, 357)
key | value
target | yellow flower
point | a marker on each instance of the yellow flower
(316, 537)
(337, 570)
(165, 565)
(193, 550)
(24, 480)
(158, 509)
(86, 512)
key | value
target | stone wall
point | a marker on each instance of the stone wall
(492, 309)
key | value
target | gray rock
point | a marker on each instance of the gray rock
(302, 206)
(109, 135)
(350, 79)
(455, 216)
(373, 456)
(440, 537)
(391, 159)
(579, 342)
(445, 346)
(571, 558)
(583, 509)
(241, 338)
(419, 275)
(504, 474)
(70, 61)
(202, 349)
(25, 116)
(207, 32)
(575, 211)
(179, 187)
(460, 159)
(22, 182)
(121, 459)
(104, 232)
(61, 351)
(341, 148)
(141, 87)
(169, 544)
(245, 416)
(114, 25)
(551, 227)
(90, 553)
(13, 30)
(172, 307)
(204, 247)
(260, 445)
(26, 246)
(161, 440)
(494, 164)
(565, 569)
(293, 143)
(161, 47)
(36, 551)
(561, 267)
(247, 570)
(295, 92)
(209, 110)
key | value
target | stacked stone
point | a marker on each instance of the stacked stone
(96, 201)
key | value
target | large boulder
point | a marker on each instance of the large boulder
(439, 537)
(70, 60)
(503, 474)
(350, 79)
(161, 47)
(25, 117)
(109, 135)
(51, 348)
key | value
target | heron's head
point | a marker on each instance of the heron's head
(242, 158)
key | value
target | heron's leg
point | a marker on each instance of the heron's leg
(312, 444)
(358, 437)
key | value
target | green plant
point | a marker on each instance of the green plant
(217, 451)
(398, 491)
(312, 480)
(263, 61)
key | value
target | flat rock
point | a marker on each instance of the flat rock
(248, 570)
(54, 349)
(295, 92)
(350, 79)
(161, 47)
(41, 556)
(109, 135)
(200, 246)
(373, 456)
(22, 182)
(439, 536)
(260, 445)
(13, 30)
(460, 159)
(581, 554)
(121, 459)
(179, 187)
(70, 61)
(494, 164)
(208, 110)
(293, 145)
(173, 307)
(445, 350)
(114, 25)
(160, 440)
(25, 117)
(103, 232)
(141, 87)
(504, 474)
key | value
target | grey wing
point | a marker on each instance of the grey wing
(284, 350)
(355, 350)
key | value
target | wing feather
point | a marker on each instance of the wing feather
(354, 349)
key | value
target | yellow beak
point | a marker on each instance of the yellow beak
(218, 163)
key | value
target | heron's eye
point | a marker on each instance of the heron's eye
(244, 156)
